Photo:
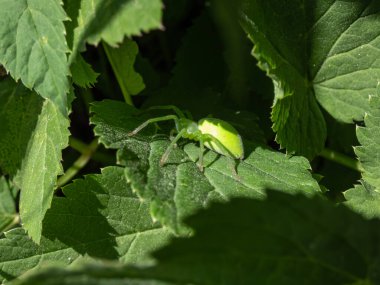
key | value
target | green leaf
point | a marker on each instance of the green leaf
(33, 46)
(19, 109)
(8, 215)
(33, 135)
(20, 254)
(82, 73)
(111, 21)
(305, 57)
(364, 200)
(369, 138)
(282, 240)
(40, 167)
(179, 189)
(99, 216)
(122, 60)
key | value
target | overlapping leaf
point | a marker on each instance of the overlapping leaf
(99, 217)
(306, 57)
(34, 132)
(33, 47)
(179, 189)
(282, 240)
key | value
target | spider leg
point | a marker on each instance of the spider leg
(170, 147)
(201, 151)
(153, 120)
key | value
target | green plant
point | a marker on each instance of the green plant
(85, 200)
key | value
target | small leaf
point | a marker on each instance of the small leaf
(33, 47)
(122, 60)
(82, 73)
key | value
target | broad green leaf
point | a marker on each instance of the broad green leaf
(308, 59)
(112, 20)
(122, 60)
(369, 138)
(179, 189)
(82, 73)
(33, 46)
(281, 240)
(99, 217)
(40, 167)
(8, 215)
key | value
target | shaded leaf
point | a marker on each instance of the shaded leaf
(19, 109)
(99, 217)
(8, 215)
(282, 240)
(34, 132)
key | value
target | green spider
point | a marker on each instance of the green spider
(212, 133)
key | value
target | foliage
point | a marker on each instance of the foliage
(293, 77)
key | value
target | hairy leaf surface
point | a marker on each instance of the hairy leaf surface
(99, 217)
(178, 189)
(33, 47)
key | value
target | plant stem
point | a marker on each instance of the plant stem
(341, 159)
(98, 156)
(127, 96)
(81, 162)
